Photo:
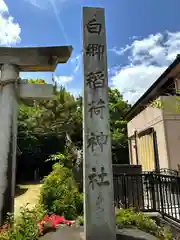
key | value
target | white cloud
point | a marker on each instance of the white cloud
(3, 7)
(9, 30)
(134, 37)
(148, 58)
(66, 81)
(45, 4)
(76, 62)
(132, 80)
(120, 51)
(63, 80)
(76, 92)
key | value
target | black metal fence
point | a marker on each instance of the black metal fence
(170, 172)
(149, 192)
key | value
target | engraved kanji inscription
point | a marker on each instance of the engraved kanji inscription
(97, 108)
(99, 200)
(95, 50)
(92, 142)
(95, 79)
(93, 178)
(96, 140)
(94, 27)
(101, 140)
(99, 204)
(98, 178)
(101, 176)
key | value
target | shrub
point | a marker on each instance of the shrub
(65, 159)
(25, 226)
(59, 193)
(128, 218)
(80, 220)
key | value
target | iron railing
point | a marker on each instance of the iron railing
(167, 171)
(149, 192)
(164, 171)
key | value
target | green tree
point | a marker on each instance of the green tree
(117, 110)
(44, 127)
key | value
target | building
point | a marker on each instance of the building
(154, 133)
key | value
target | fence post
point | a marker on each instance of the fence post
(161, 196)
(153, 191)
(124, 189)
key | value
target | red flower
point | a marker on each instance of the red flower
(41, 228)
(4, 227)
(53, 220)
(67, 222)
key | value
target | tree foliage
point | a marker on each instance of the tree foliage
(44, 125)
(117, 109)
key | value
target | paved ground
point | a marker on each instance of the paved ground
(29, 195)
(73, 233)
(65, 233)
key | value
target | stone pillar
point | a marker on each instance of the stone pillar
(99, 212)
(8, 134)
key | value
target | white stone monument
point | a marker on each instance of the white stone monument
(12, 89)
(99, 212)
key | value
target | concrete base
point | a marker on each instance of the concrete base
(77, 233)
(65, 233)
(131, 234)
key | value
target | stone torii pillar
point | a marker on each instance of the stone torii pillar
(13, 61)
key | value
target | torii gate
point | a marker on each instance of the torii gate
(13, 61)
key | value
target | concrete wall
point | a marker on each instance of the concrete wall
(151, 117)
(172, 130)
(172, 126)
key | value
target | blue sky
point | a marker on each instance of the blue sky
(143, 38)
